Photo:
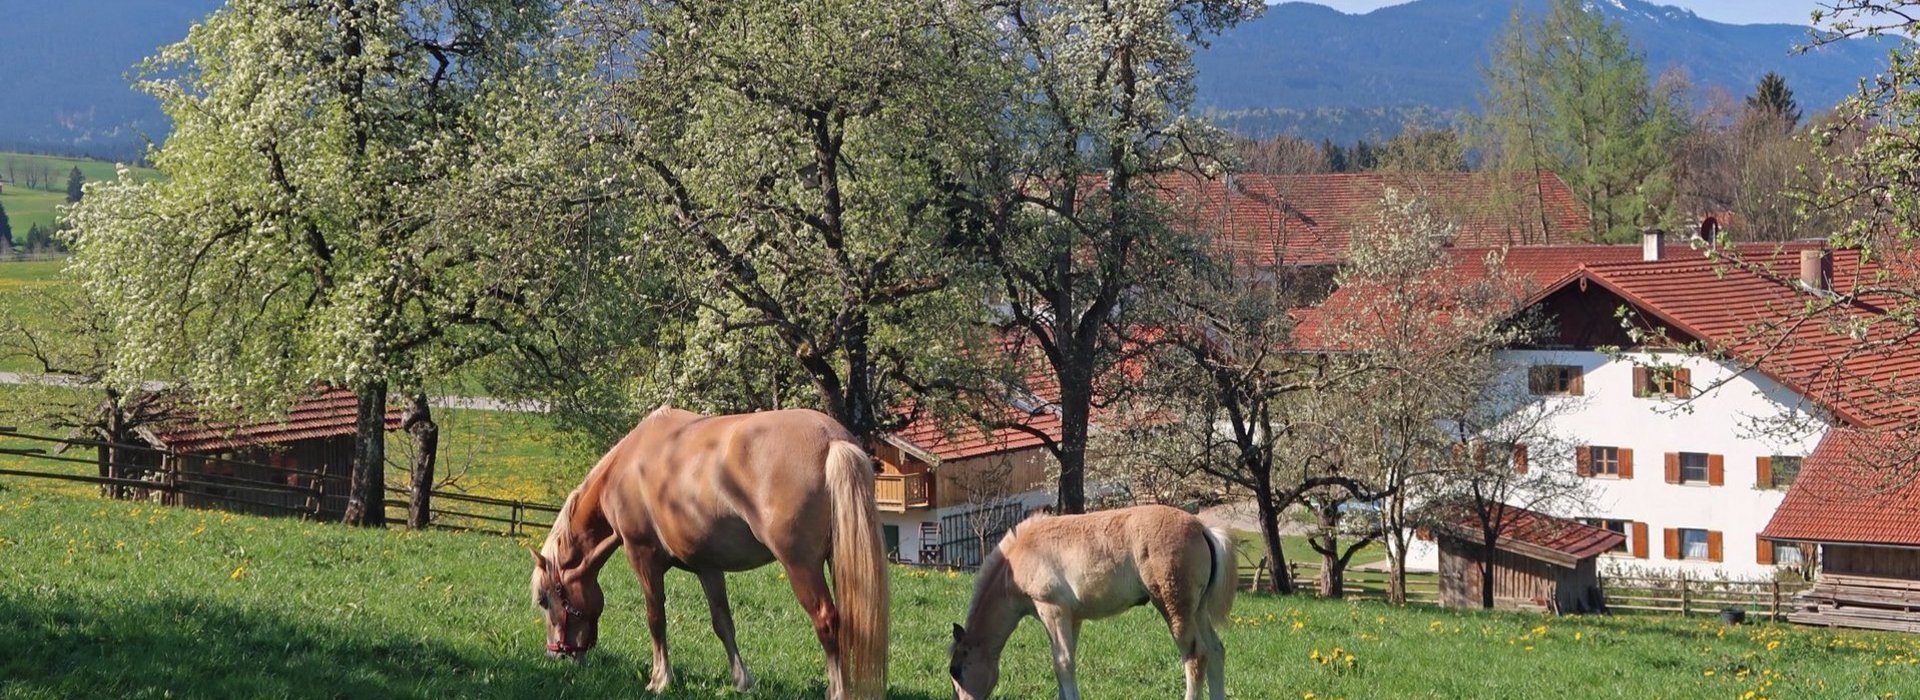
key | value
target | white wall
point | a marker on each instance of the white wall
(1747, 417)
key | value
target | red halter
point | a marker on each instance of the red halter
(559, 595)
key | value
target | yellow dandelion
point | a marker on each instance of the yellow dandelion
(1709, 673)
(238, 571)
(1775, 644)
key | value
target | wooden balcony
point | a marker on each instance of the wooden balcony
(899, 493)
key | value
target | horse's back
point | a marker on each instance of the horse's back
(728, 492)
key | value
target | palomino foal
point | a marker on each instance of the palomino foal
(1069, 568)
(727, 493)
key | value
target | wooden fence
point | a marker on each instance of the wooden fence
(1678, 595)
(466, 512)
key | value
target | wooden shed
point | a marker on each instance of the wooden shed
(1540, 562)
(297, 466)
(1857, 500)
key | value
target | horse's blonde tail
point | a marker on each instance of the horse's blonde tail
(859, 570)
(1226, 575)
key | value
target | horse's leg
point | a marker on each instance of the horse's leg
(714, 583)
(1187, 639)
(810, 588)
(1216, 661)
(1063, 633)
(653, 572)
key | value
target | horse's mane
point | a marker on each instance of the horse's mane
(551, 547)
(995, 576)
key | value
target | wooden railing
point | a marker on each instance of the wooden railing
(897, 493)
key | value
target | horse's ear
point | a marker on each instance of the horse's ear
(539, 562)
(958, 631)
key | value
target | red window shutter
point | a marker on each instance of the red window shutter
(1583, 460)
(1763, 472)
(1673, 543)
(1682, 383)
(1716, 470)
(1673, 467)
(1713, 546)
(1626, 463)
(1578, 387)
(1764, 549)
(1639, 543)
(1520, 459)
(1640, 382)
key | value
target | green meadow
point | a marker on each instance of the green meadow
(39, 204)
(117, 599)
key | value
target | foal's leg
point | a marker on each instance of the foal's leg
(714, 583)
(809, 583)
(1216, 661)
(653, 574)
(1063, 633)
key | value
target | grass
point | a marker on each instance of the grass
(39, 205)
(24, 288)
(118, 599)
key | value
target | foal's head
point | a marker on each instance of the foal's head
(571, 603)
(975, 666)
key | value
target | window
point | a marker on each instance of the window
(1694, 545)
(1545, 380)
(1605, 460)
(1624, 527)
(1693, 467)
(1787, 554)
(1784, 470)
(1662, 382)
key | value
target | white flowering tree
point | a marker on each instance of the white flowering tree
(339, 204)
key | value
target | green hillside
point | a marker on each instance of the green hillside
(112, 599)
(32, 187)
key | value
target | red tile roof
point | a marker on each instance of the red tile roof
(1308, 219)
(1540, 536)
(1032, 405)
(1758, 313)
(327, 414)
(1531, 271)
(1856, 487)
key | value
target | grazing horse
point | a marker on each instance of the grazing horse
(1069, 568)
(727, 493)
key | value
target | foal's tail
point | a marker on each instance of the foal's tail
(859, 571)
(1226, 576)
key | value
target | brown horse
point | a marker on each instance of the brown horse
(727, 493)
(1069, 568)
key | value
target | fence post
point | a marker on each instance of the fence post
(1683, 594)
(513, 520)
(1776, 600)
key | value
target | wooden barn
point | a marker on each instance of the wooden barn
(299, 466)
(1857, 500)
(1540, 563)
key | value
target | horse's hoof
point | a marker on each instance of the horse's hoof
(659, 684)
(743, 681)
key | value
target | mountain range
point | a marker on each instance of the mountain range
(1300, 68)
(1304, 67)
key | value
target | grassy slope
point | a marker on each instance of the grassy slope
(119, 599)
(23, 287)
(26, 207)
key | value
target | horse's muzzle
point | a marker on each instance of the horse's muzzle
(569, 652)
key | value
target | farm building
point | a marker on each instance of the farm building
(1857, 500)
(944, 489)
(1540, 562)
(298, 466)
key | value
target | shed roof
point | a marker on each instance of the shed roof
(329, 413)
(1856, 487)
(1528, 533)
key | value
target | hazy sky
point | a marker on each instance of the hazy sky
(1730, 11)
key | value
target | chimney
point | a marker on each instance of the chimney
(1651, 241)
(1816, 270)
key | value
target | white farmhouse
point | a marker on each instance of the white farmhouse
(1685, 392)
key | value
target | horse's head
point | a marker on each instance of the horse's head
(570, 601)
(975, 666)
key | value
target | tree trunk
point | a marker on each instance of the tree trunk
(1332, 566)
(1076, 406)
(1398, 540)
(366, 494)
(1278, 578)
(426, 451)
(1486, 573)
